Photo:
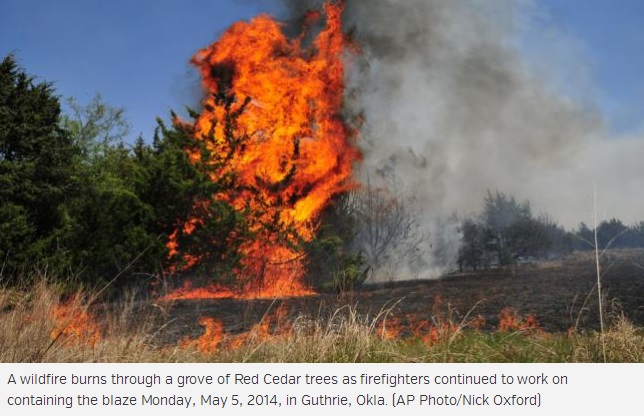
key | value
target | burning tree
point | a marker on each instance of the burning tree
(271, 131)
(212, 230)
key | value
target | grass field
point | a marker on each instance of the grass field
(36, 326)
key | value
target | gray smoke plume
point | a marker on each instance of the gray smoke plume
(454, 107)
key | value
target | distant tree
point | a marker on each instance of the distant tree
(472, 252)
(505, 220)
(95, 127)
(614, 234)
(36, 171)
(386, 224)
(559, 241)
(584, 237)
(507, 232)
(526, 238)
(636, 235)
(611, 234)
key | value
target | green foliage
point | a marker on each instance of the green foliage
(190, 189)
(95, 127)
(75, 196)
(113, 226)
(36, 173)
(135, 198)
(333, 266)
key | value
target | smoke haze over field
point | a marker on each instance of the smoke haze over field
(456, 102)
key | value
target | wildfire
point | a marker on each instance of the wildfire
(439, 327)
(74, 325)
(390, 329)
(273, 326)
(278, 325)
(299, 152)
(510, 321)
(211, 338)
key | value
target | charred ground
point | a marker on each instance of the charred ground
(561, 294)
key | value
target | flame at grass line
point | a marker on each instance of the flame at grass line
(510, 321)
(299, 154)
(74, 325)
(273, 326)
(278, 326)
(209, 341)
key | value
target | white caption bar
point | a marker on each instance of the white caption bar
(348, 389)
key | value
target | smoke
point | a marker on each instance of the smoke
(460, 96)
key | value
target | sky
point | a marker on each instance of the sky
(136, 53)
(611, 35)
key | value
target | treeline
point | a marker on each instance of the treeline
(82, 205)
(79, 203)
(506, 232)
(610, 234)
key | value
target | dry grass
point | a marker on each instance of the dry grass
(41, 326)
(623, 343)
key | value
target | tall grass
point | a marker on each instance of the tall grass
(42, 325)
(33, 329)
(599, 280)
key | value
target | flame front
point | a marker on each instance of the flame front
(75, 325)
(299, 153)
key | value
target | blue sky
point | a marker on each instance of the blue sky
(612, 36)
(136, 52)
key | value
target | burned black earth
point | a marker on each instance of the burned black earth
(561, 294)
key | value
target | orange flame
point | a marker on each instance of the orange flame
(75, 326)
(433, 332)
(277, 326)
(390, 328)
(299, 154)
(210, 339)
(274, 325)
(510, 321)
